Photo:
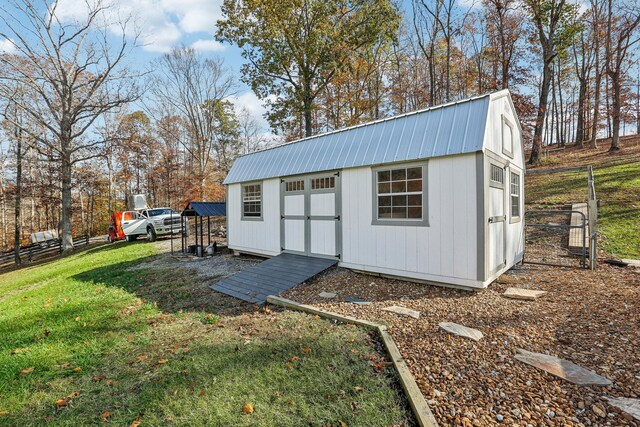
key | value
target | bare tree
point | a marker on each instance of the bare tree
(621, 37)
(74, 72)
(192, 87)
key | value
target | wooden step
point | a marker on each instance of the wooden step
(575, 234)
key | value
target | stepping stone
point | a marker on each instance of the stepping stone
(357, 301)
(632, 262)
(327, 294)
(561, 368)
(526, 294)
(461, 331)
(403, 311)
(630, 406)
(507, 280)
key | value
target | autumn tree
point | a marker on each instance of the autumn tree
(296, 48)
(74, 73)
(555, 28)
(195, 88)
(621, 36)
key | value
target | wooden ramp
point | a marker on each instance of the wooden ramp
(272, 277)
(576, 238)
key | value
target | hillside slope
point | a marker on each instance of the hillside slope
(617, 188)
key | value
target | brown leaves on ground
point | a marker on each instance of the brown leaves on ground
(306, 350)
(358, 388)
(27, 371)
(136, 422)
(247, 408)
(162, 361)
(106, 415)
(19, 350)
(4, 413)
(62, 403)
(77, 369)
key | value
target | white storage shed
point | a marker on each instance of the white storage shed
(435, 195)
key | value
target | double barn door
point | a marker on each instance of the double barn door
(310, 215)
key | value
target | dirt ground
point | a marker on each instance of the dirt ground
(589, 318)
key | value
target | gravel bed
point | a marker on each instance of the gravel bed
(589, 318)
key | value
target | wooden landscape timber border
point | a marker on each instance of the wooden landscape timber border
(36, 252)
(419, 405)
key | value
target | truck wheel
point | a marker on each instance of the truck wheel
(131, 237)
(151, 234)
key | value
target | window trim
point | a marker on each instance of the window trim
(252, 218)
(291, 193)
(424, 221)
(505, 151)
(497, 184)
(514, 219)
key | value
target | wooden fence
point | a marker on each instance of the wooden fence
(40, 251)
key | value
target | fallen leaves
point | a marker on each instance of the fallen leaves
(19, 350)
(142, 358)
(247, 408)
(306, 350)
(359, 388)
(27, 371)
(4, 413)
(136, 422)
(162, 361)
(106, 415)
(77, 369)
(62, 403)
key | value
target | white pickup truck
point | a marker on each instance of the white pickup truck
(150, 222)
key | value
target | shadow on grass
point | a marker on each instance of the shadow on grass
(170, 289)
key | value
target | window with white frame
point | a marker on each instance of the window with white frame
(252, 201)
(399, 195)
(515, 195)
(497, 175)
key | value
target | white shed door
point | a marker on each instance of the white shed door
(310, 215)
(497, 224)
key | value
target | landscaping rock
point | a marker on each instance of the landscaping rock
(327, 294)
(357, 301)
(632, 262)
(460, 330)
(630, 406)
(525, 294)
(403, 311)
(561, 368)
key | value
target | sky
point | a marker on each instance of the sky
(164, 24)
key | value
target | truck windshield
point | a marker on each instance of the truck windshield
(156, 212)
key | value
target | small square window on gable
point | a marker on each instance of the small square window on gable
(507, 137)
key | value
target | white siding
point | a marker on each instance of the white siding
(260, 237)
(444, 251)
(501, 106)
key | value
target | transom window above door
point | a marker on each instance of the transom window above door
(291, 186)
(400, 195)
(323, 183)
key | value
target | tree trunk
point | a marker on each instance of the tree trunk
(308, 119)
(18, 201)
(615, 114)
(582, 94)
(542, 112)
(66, 217)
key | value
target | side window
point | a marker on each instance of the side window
(400, 195)
(515, 196)
(252, 201)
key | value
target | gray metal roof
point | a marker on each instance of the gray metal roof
(444, 130)
(205, 209)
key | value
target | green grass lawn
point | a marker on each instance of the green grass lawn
(617, 188)
(83, 345)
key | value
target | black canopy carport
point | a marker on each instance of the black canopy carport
(199, 211)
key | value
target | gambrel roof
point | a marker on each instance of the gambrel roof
(454, 128)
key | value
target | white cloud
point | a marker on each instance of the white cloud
(161, 24)
(6, 46)
(255, 107)
(208, 46)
